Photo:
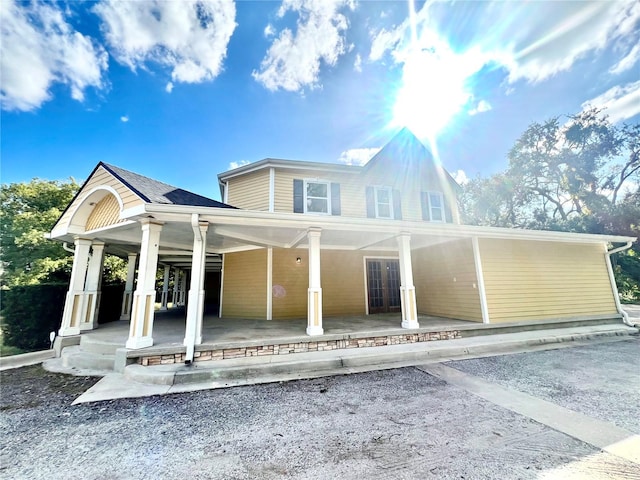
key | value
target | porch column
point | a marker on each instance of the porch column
(141, 325)
(195, 307)
(407, 289)
(176, 287)
(128, 287)
(314, 296)
(183, 289)
(92, 287)
(73, 305)
(165, 288)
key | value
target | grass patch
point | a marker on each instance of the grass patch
(8, 350)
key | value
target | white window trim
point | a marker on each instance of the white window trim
(304, 196)
(444, 216)
(375, 200)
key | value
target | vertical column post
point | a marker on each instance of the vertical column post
(176, 287)
(141, 325)
(92, 287)
(165, 288)
(74, 302)
(407, 288)
(183, 289)
(195, 308)
(484, 309)
(314, 296)
(127, 296)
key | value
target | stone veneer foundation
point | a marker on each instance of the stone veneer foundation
(300, 347)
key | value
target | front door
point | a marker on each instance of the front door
(383, 285)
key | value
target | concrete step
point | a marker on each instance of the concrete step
(248, 370)
(89, 343)
(78, 358)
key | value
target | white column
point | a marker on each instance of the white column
(141, 325)
(195, 308)
(74, 303)
(92, 287)
(176, 287)
(165, 288)
(127, 296)
(407, 288)
(314, 296)
(269, 283)
(480, 279)
(183, 289)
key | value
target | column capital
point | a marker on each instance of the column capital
(82, 241)
(97, 244)
(314, 231)
(150, 224)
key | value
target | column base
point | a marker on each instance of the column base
(312, 331)
(139, 342)
(409, 324)
(68, 331)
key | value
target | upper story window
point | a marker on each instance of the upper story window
(433, 207)
(316, 197)
(383, 202)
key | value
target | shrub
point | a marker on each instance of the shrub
(30, 313)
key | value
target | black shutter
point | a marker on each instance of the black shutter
(424, 201)
(371, 203)
(397, 205)
(298, 196)
(448, 216)
(335, 199)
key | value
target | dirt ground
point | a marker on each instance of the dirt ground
(396, 424)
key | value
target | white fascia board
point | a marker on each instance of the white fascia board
(290, 165)
(338, 223)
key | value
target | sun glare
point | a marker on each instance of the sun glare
(434, 85)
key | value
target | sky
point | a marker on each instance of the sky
(183, 90)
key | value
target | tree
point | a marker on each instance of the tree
(582, 175)
(29, 210)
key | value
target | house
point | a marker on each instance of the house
(295, 239)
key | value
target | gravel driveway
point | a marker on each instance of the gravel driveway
(395, 424)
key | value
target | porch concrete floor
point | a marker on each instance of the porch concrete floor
(169, 328)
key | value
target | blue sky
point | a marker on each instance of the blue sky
(181, 91)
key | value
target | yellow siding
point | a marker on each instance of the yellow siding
(105, 213)
(250, 191)
(446, 282)
(528, 280)
(343, 287)
(102, 177)
(352, 192)
(244, 291)
(290, 282)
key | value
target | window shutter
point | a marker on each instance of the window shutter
(424, 201)
(371, 203)
(298, 196)
(448, 216)
(397, 205)
(335, 199)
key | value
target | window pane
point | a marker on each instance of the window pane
(317, 190)
(383, 195)
(318, 205)
(383, 210)
(436, 214)
(435, 200)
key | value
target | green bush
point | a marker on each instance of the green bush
(30, 313)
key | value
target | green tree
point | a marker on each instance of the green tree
(29, 210)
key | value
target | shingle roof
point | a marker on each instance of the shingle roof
(153, 191)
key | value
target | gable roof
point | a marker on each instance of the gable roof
(153, 191)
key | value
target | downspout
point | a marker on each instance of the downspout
(612, 279)
(66, 247)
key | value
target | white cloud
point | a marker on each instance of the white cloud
(124, 119)
(358, 156)
(482, 106)
(621, 102)
(293, 60)
(628, 61)
(191, 38)
(39, 48)
(169, 87)
(269, 31)
(461, 177)
(357, 65)
(234, 165)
